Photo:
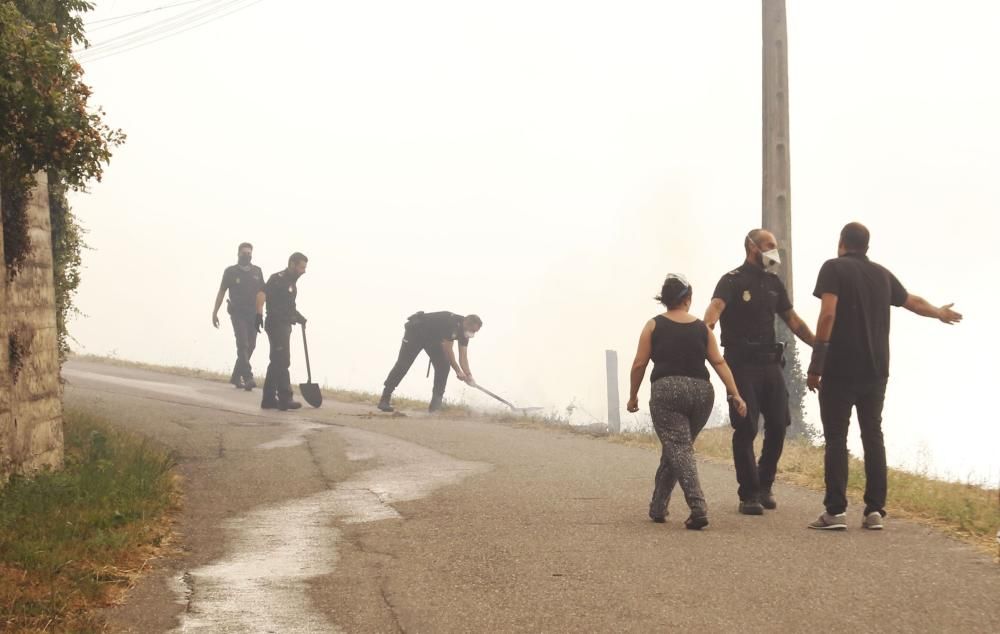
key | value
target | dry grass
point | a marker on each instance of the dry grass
(74, 540)
(455, 410)
(968, 511)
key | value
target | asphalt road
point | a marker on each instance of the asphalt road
(343, 519)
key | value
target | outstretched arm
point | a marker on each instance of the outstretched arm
(920, 306)
(725, 374)
(449, 350)
(798, 326)
(463, 362)
(639, 364)
(824, 330)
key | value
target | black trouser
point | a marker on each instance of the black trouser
(762, 386)
(408, 353)
(278, 384)
(245, 329)
(836, 400)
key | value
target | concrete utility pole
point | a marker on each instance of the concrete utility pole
(777, 200)
(776, 188)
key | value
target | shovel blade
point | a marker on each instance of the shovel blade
(311, 393)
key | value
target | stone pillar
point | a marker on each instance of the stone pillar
(33, 438)
(776, 186)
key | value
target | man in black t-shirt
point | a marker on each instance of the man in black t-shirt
(242, 281)
(434, 333)
(746, 301)
(279, 294)
(850, 367)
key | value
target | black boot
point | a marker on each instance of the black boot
(437, 402)
(384, 404)
(767, 499)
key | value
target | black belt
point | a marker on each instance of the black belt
(756, 353)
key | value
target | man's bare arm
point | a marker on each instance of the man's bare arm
(821, 343)
(261, 298)
(218, 304)
(714, 312)
(449, 350)
(798, 326)
(463, 360)
(920, 306)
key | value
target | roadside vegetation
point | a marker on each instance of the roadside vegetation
(72, 541)
(344, 396)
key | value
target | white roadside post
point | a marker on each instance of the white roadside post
(614, 407)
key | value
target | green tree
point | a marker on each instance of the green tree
(47, 124)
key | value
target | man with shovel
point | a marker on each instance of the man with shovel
(279, 294)
(434, 333)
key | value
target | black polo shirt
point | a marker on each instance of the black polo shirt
(281, 293)
(753, 297)
(859, 345)
(432, 328)
(243, 284)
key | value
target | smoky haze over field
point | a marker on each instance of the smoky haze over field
(545, 165)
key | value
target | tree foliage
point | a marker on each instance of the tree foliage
(47, 124)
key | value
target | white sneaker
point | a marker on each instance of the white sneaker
(872, 521)
(827, 522)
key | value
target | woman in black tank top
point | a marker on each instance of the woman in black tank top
(682, 396)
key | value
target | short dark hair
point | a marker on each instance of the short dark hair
(244, 245)
(673, 293)
(296, 257)
(752, 237)
(475, 320)
(855, 236)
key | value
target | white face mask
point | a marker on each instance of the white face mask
(469, 335)
(771, 258)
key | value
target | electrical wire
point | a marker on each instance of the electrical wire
(191, 19)
(155, 27)
(118, 19)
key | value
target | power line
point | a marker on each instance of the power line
(156, 27)
(164, 29)
(118, 19)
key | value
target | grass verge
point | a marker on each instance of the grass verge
(71, 541)
(454, 410)
(967, 511)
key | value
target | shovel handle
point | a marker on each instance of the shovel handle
(504, 401)
(305, 347)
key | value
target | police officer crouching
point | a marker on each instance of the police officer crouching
(434, 333)
(279, 295)
(746, 301)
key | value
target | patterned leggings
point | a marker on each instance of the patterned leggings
(680, 407)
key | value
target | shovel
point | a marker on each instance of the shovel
(309, 390)
(523, 410)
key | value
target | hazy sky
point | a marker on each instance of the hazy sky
(545, 164)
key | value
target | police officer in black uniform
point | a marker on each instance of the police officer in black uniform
(746, 301)
(279, 294)
(434, 333)
(242, 281)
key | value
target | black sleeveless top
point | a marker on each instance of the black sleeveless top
(679, 349)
